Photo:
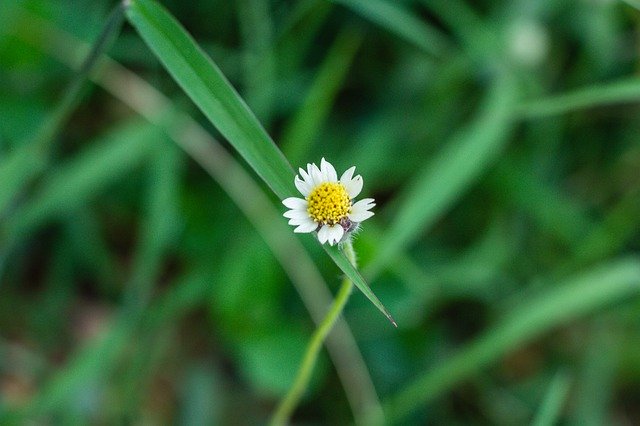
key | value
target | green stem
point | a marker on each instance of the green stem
(289, 403)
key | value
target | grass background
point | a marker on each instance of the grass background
(499, 140)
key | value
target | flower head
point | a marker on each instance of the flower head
(328, 206)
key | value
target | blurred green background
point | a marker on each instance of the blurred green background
(500, 140)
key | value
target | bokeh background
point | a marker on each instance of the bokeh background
(500, 140)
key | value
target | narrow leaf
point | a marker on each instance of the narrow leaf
(207, 87)
(397, 20)
(560, 304)
(445, 178)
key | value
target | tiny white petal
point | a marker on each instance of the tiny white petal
(328, 171)
(364, 204)
(323, 234)
(316, 174)
(296, 214)
(360, 210)
(360, 216)
(346, 176)
(335, 234)
(306, 227)
(353, 186)
(303, 186)
(301, 221)
(295, 203)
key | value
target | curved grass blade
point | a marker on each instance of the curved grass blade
(569, 300)
(303, 129)
(394, 18)
(207, 87)
(447, 176)
(27, 162)
(72, 184)
(597, 95)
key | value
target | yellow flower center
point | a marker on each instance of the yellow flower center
(328, 203)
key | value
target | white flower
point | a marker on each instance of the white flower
(328, 206)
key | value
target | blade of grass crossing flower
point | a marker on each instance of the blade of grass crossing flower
(343, 263)
(209, 89)
(575, 297)
(453, 170)
(205, 84)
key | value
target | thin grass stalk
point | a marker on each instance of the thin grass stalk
(287, 406)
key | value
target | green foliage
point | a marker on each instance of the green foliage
(146, 272)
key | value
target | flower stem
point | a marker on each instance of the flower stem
(290, 401)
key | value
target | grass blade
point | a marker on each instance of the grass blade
(553, 400)
(302, 131)
(31, 158)
(74, 183)
(209, 89)
(205, 84)
(569, 300)
(447, 176)
(596, 95)
(397, 20)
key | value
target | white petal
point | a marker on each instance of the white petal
(295, 203)
(302, 221)
(360, 216)
(335, 234)
(346, 176)
(323, 234)
(328, 171)
(316, 175)
(303, 186)
(305, 176)
(306, 227)
(353, 186)
(296, 214)
(360, 210)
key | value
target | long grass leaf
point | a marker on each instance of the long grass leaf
(205, 84)
(31, 158)
(556, 395)
(596, 95)
(75, 183)
(209, 89)
(306, 124)
(399, 21)
(451, 172)
(565, 302)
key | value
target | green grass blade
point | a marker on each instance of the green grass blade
(340, 259)
(448, 175)
(565, 302)
(397, 20)
(597, 95)
(73, 184)
(305, 126)
(27, 162)
(209, 89)
(556, 395)
(256, 28)
(205, 84)
(158, 228)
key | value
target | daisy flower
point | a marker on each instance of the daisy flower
(327, 206)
